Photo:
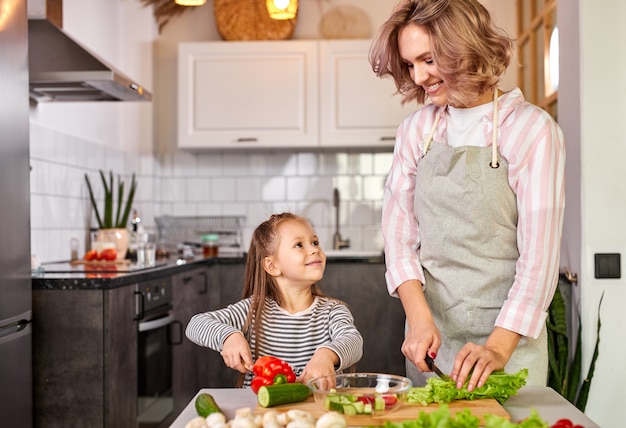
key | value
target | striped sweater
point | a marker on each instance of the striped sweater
(532, 143)
(294, 338)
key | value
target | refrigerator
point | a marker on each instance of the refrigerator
(15, 274)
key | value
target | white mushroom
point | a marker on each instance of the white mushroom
(197, 422)
(244, 412)
(300, 423)
(258, 420)
(300, 415)
(282, 419)
(243, 422)
(331, 420)
(270, 420)
(215, 419)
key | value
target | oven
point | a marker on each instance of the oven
(157, 333)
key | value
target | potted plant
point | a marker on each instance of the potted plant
(113, 228)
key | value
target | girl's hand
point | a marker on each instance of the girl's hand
(236, 353)
(321, 364)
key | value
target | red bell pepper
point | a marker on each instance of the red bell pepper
(271, 371)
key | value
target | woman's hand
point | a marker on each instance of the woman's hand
(321, 364)
(422, 336)
(484, 359)
(236, 353)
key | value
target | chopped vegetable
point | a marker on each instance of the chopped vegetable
(499, 386)
(271, 371)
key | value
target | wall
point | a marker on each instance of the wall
(592, 120)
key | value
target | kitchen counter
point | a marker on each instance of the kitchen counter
(548, 403)
(66, 276)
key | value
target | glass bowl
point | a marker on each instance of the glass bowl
(355, 394)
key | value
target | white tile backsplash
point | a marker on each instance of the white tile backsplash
(254, 185)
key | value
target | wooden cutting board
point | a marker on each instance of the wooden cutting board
(406, 412)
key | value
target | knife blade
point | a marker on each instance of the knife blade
(431, 365)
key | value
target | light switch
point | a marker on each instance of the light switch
(608, 265)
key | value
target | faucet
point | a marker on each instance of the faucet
(338, 243)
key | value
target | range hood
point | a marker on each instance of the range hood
(62, 70)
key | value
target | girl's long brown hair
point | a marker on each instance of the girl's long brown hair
(470, 52)
(259, 284)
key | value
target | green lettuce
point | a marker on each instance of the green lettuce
(499, 385)
(441, 418)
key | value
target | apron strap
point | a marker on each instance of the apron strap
(494, 134)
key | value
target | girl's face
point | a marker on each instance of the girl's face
(414, 48)
(298, 256)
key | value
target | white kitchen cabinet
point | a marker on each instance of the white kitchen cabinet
(248, 94)
(357, 107)
(292, 94)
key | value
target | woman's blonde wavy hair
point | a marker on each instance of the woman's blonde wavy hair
(469, 50)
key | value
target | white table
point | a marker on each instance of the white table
(548, 403)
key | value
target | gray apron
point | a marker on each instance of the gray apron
(467, 216)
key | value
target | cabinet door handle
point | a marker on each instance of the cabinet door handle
(205, 283)
(387, 138)
(186, 279)
(247, 140)
(139, 298)
(180, 333)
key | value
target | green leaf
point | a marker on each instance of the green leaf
(93, 201)
(499, 385)
(583, 395)
(129, 202)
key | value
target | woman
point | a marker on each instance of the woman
(473, 204)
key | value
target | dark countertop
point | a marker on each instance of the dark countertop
(65, 276)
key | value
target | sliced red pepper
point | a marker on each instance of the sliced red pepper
(270, 370)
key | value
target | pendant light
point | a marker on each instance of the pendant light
(282, 9)
(190, 2)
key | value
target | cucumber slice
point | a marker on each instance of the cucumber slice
(349, 409)
(379, 403)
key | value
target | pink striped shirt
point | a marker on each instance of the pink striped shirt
(532, 143)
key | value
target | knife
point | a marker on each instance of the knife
(431, 365)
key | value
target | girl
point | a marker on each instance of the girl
(473, 205)
(282, 313)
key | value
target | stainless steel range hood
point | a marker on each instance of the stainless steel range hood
(63, 70)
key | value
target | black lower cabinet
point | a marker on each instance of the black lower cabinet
(84, 358)
(378, 316)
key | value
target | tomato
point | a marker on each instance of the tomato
(563, 423)
(390, 400)
(366, 399)
(108, 254)
(91, 255)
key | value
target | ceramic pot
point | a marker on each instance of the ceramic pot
(118, 236)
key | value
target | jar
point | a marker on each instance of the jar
(210, 245)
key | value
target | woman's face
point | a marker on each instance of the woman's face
(414, 48)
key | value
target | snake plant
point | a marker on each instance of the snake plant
(565, 371)
(106, 220)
